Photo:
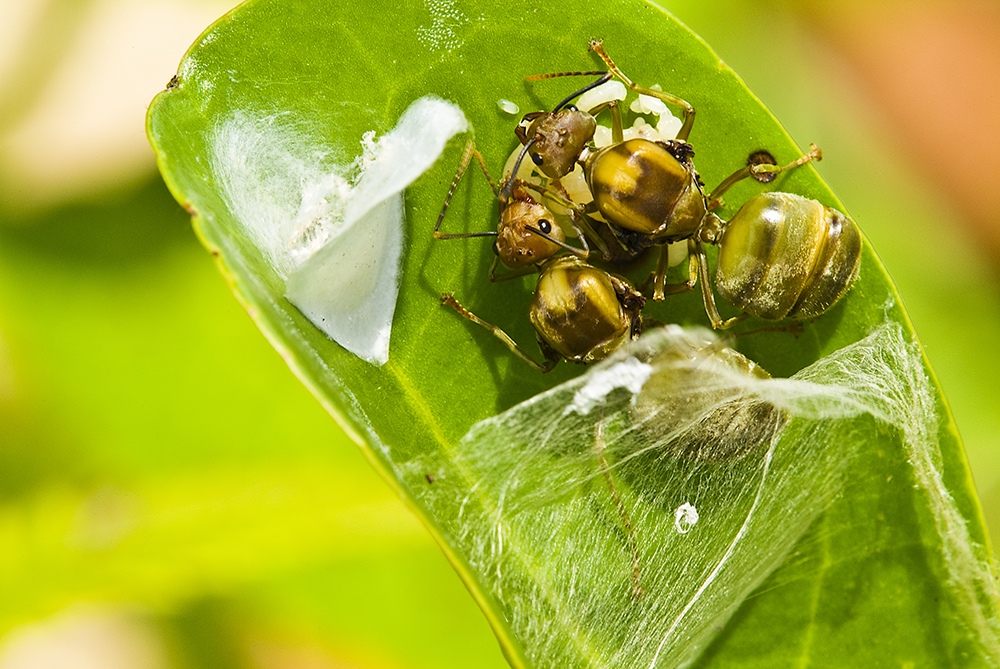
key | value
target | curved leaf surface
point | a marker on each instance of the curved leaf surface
(882, 559)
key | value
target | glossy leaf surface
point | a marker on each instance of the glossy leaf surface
(871, 575)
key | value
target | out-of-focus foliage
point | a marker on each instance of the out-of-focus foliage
(148, 434)
(157, 454)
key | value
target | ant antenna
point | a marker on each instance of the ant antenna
(604, 79)
(508, 187)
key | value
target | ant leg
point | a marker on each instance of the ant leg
(714, 198)
(685, 131)
(725, 325)
(586, 231)
(707, 294)
(470, 151)
(617, 127)
(661, 274)
(509, 274)
(697, 251)
(620, 506)
(581, 234)
(450, 301)
(815, 153)
(660, 288)
(486, 172)
(794, 328)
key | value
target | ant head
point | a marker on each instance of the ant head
(519, 243)
(558, 137)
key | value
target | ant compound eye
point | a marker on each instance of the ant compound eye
(496, 249)
(544, 226)
(536, 158)
(571, 108)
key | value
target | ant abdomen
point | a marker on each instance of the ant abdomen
(786, 256)
(583, 313)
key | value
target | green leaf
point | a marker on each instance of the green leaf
(861, 516)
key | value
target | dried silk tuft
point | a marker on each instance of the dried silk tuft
(524, 498)
(630, 374)
(331, 228)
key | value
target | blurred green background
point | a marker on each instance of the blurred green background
(170, 496)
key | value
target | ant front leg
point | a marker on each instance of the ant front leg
(467, 155)
(597, 47)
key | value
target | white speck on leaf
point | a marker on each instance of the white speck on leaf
(685, 517)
